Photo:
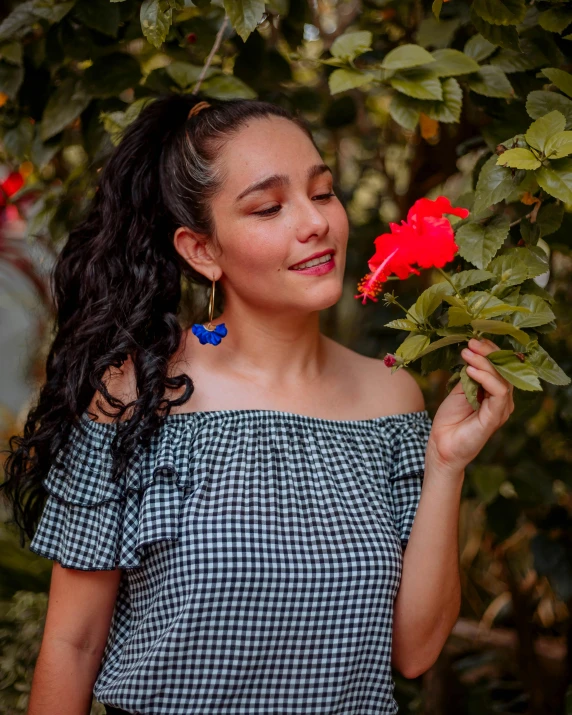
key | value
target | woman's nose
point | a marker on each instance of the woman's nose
(312, 222)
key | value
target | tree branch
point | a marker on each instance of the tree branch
(212, 53)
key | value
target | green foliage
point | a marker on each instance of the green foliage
(468, 98)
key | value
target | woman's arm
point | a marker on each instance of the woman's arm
(428, 601)
(80, 608)
(429, 597)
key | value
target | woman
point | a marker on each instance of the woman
(243, 551)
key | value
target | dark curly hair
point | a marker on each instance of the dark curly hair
(117, 286)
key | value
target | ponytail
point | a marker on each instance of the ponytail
(117, 287)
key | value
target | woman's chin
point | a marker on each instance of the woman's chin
(325, 296)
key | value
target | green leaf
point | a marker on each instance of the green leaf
(156, 18)
(428, 302)
(448, 110)
(417, 83)
(478, 243)
(510, 61)
(19, 22)
(549, 218)
(458, 316)
(224, 86)
(64, 106)
(412, 347)
(406, 56)
(450, 63)
(500, 12)
(556, 179)
(115, 123)
(543, 128)
(53, 12)
(244, 15)
(490, 81)
(343, 79)
(484, 305)
(455, 300)
(465, 279)
(494, 184)
(487, 480)
(402, 324)
(11, 78)
(436, 7)
(403, 110)
(520, 374)
(518, 159)
(499, 327)
(443, 342)
(529, 231)
(555, 20)
(436, 33)
(517, 264)
(563, 80)
(540, 102)
(351, 44)
(470, 388)
(546, 367)
(99, 15)
(184, 74)
(111, 74)
(18, 140)
(540, 312)
(11, 52)
(478, 48)
(559, 145)
(534, 257)
(498, 35)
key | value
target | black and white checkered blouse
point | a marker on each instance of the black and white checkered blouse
(261, 554)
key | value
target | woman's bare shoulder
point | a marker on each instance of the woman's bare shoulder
(381, 389)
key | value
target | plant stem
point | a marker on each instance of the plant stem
(442, 272)
(216, 45)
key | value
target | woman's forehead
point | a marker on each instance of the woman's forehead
(264, 147)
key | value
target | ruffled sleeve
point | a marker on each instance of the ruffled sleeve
(408, 446)
(90, 522)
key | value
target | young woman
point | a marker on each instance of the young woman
(228, 509)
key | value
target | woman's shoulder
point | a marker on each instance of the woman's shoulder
(375, 384)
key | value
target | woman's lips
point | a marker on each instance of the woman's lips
(317, 270)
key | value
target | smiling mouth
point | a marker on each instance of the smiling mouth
(314, 262)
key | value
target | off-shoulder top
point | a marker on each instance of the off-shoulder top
(261, 552)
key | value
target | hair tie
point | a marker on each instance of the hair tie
(197, 108)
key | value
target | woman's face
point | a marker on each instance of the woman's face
(292, 215)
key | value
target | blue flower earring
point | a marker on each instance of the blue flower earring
(210, 333)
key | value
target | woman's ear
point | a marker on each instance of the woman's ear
(196, 249)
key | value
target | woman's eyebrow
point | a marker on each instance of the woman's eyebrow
(271, 182)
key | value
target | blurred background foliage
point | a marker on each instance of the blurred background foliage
(394, 129)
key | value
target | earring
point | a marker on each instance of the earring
(210, 333)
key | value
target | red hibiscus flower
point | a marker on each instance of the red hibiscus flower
(10, 186)
(425, 238)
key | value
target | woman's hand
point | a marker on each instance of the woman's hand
(459, 433)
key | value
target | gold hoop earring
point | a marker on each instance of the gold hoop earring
(209, 333)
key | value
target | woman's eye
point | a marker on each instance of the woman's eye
(266, 212)
(274, 209)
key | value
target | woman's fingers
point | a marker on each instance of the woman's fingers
(493, 384)
(483, 371)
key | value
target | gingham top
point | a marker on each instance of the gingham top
(261, 554)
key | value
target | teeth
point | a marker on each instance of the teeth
(315, 262)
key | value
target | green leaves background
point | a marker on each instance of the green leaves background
(405, 99)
